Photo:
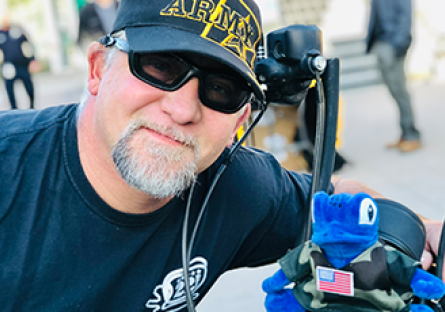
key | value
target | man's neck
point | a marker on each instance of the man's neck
(102, 174)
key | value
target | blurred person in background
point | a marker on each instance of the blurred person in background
(17, 59)
(389, 38)
(95, 20)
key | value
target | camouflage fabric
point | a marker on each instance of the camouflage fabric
(382, 278)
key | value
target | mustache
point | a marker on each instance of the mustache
(170, 132)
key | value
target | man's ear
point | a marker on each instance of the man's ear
(242, 118)
(96, 66)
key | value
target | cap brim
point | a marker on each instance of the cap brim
(167, 39)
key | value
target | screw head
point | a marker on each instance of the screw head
(319, 63)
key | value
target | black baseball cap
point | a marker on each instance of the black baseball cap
(228, 31)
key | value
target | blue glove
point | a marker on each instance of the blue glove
(279, 298)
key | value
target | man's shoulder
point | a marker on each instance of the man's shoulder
(260, 170)
(253, 162)
(252, 156)
(18, 122)
(259, 162)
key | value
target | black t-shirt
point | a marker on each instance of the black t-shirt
(62, 248)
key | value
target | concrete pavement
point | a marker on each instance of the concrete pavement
(369, 119)
(49, 90)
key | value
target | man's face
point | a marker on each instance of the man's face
(159, 140)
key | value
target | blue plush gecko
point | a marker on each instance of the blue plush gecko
(345, 267)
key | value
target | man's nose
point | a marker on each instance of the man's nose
(184, 105)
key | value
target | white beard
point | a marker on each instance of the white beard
(156, 177)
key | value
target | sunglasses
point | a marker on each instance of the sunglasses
(167, 71)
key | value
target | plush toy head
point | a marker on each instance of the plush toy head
(344, 225)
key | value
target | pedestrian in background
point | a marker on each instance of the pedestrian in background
(95, 20)
(17, 60)
(389, 38)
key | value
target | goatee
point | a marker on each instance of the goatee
(155, 177)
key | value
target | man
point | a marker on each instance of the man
(17, 60)
(94, 196)
(389, 38)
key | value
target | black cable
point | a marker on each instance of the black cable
(252, 135)
(187, 248)
(318, 150)
(217, 176)
(185, 263)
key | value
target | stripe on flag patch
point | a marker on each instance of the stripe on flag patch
(335, 281)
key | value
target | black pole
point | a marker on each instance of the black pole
(331, 83)
(326, 136)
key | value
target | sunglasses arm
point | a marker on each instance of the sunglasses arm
(119, 43)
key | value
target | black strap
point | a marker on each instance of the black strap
(439, 268)
(440, 254)
(401, 228)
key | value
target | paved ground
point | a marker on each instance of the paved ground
(49, 90)
(369, 121)
(416, 179)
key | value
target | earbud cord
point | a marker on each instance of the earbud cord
(185, 263)
(187, 249)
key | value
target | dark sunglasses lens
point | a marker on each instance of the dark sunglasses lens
(220, 92)
(224, 93)
(164, 69)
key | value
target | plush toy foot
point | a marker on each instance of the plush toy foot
(420, 308)
(275, 283)
(279, 298)
(282, 301)
(427, 286)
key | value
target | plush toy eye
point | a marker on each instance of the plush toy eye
(368, 212)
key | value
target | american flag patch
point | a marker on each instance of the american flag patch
(335, 281)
